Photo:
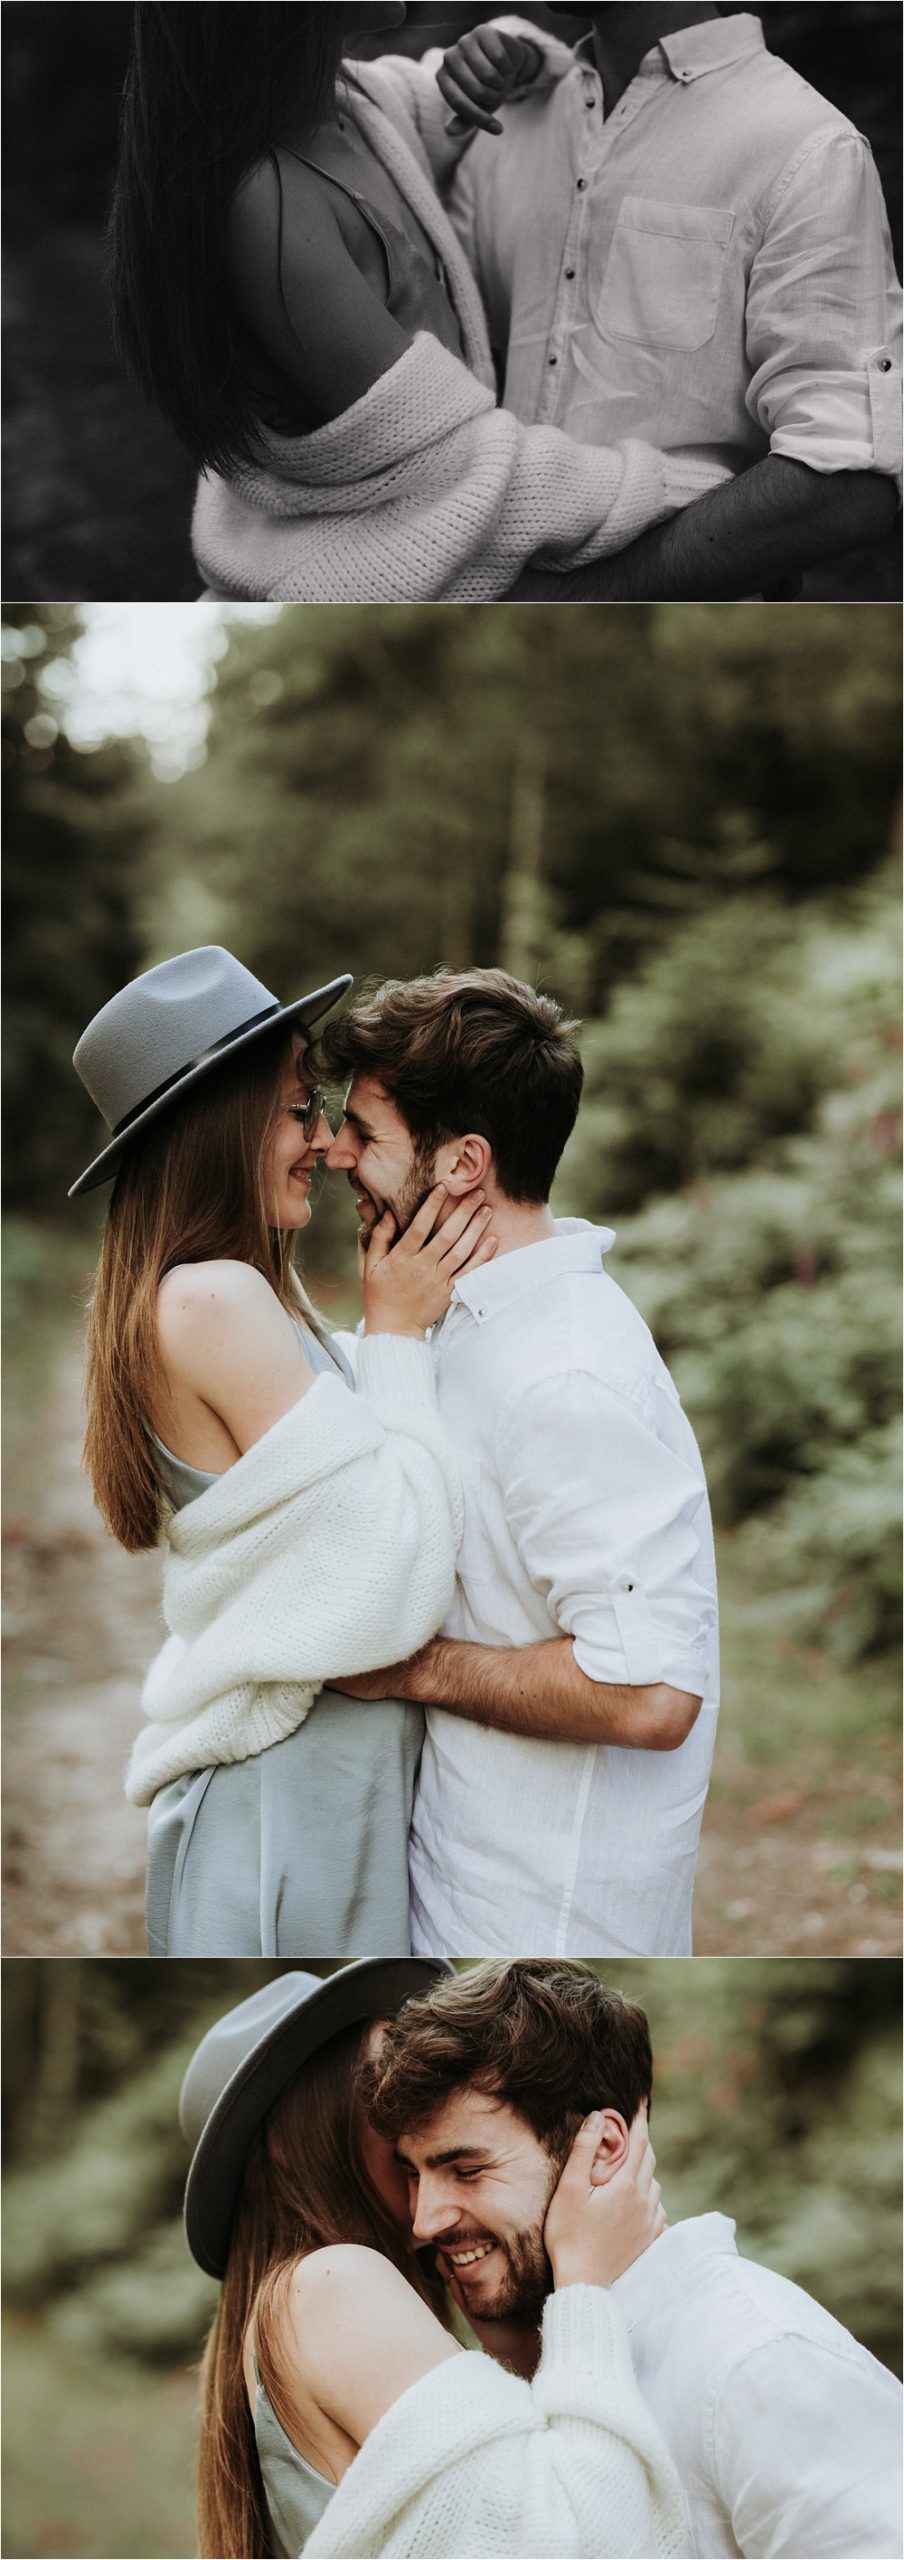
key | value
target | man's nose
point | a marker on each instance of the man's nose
(436, 2213)
(341, 1154)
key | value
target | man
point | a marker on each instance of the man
(785, 2431)
(680, 240)
(572, 1697)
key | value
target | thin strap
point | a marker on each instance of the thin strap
(353, 197)
(306, 163)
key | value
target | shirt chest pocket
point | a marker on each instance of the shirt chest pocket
(662, 278)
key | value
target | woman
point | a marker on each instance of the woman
(307, 1530)
(289, 290)
(328, 2339)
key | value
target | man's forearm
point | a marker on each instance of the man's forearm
(769, 524)
(539, 1689)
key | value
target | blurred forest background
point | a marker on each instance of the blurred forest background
(681, 821)
(775, 2101)
(98, 489)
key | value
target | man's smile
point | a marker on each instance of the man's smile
(464, 2255)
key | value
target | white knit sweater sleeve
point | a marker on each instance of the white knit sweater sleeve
(328, 1548)
(424, 491)
(473, 2460)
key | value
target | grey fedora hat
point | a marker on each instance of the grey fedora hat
(244, 2061)
(166, 1029)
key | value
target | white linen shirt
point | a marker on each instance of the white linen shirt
(586, 1515)
(710, 267)
(786, 2432)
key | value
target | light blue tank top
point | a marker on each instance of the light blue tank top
(182, 1483)
(296, 2494)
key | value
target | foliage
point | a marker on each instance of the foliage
(767, 1265)
(73, 849)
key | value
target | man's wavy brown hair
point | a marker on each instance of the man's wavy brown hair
(468, 1050)
(547, 2038)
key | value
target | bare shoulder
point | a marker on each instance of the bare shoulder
(217, 1307)
(273, 195)
(192, 1290)
(347, 2276)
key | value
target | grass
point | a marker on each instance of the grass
(98, 2455)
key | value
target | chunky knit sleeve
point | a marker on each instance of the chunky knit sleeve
(424, 491)
(473, 2459)
(328, 1548)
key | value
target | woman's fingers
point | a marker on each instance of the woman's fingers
(461, 1235)
(375, 1246)
(579, 2164)
(479, 71)
(422, 1224)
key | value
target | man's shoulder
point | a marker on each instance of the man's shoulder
(735, 2308)
(582, 1326)
(791, 115)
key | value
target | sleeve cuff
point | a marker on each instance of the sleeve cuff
(398, 1367)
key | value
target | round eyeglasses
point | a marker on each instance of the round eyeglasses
(310, 1113)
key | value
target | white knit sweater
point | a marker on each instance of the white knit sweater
(328, 1548)
(471, 2462)
(424, 491)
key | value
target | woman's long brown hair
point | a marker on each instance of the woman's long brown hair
(191, 1188)
(304, 2188)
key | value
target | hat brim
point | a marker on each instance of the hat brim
(375, 1987)
(306, 1009)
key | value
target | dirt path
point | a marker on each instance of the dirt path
(82, 1622)
(783, 1869)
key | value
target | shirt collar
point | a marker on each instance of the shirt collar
(576, 1246)
(693, 51)
(662, 2272)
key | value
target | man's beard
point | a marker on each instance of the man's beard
(419, 1181)
(526, 2283)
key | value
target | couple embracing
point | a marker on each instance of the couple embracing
(384, 2156)
(665, 251)
(441, 1670)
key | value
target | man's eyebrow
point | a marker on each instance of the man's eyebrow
(442, 2159)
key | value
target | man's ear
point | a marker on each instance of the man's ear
(464, 1164)
(611, 2149)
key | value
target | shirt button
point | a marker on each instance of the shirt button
(570, 273)
(582, 182)
(885, 364)
(625, 1585)
(553, 359)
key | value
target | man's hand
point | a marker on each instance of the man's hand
(480, 72)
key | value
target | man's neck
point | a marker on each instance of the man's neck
(515, 1222)
(514, 2343)
(621, 38)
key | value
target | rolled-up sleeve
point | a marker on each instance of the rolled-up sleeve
(607, 1515)
(823, 315)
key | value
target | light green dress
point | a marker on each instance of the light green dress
(303, 1850)
(296, 2494)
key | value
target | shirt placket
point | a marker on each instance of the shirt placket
(594, 139)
